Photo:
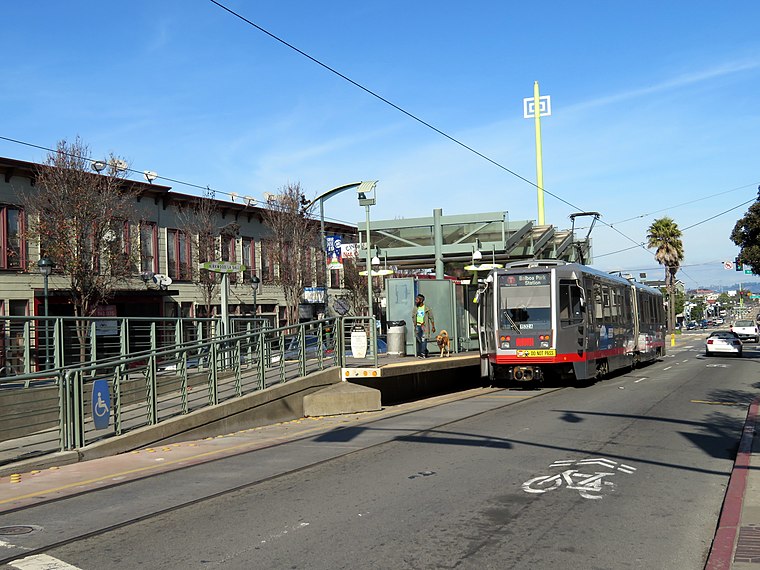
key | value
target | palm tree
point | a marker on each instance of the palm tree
(665, 236)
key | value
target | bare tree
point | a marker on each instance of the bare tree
(355, 286)
(199, 223)
(83, 222)
(294, 234)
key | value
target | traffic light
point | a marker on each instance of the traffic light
(738, 264)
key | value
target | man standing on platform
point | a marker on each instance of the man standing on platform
(424, 325)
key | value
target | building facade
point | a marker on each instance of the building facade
(164, 249)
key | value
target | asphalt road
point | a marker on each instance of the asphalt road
(627, 473)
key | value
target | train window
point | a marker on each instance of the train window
(570, 306)
(598, 304)
(616, 305)
(607, 304)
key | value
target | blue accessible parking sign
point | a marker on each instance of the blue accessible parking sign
(101, 404)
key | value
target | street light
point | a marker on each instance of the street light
(366, 193)
(255, 282)
(322, 197)
(46, 266)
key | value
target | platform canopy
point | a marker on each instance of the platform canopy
(431, 242)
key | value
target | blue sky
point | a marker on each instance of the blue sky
(654, 106)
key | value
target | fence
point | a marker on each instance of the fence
(49, 409)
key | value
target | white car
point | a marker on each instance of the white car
(747, 330)
(723, 342)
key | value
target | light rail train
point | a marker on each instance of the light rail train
(548, 319)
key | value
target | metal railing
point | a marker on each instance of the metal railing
(50, 409)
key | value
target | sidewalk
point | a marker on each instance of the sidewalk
(736, 544)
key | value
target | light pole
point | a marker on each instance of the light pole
(366, 192)
(322, 197)
(255, 282)
(45, 266)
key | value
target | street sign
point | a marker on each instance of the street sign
(728, 265)
(223, 266)
(748, 271)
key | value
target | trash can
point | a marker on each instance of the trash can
(397, 338)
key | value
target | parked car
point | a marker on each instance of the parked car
(723, 342)
(293, 345)
(691, 326)
(746, 329)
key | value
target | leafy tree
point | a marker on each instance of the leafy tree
(665, 236)
(746, 234)
(84, 222)
(294, 235)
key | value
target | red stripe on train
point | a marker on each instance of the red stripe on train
(558, 359)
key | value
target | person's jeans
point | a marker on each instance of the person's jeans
(419, 335)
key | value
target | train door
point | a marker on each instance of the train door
(486, 326)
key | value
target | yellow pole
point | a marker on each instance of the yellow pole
(539, 165)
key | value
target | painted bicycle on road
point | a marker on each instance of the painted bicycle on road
(589, 485)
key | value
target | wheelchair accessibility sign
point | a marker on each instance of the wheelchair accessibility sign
(101, 404)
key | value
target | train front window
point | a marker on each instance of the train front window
(524, 301)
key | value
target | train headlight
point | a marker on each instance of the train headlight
(544, 344)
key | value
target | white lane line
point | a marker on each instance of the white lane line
(41, 562)
(685, 360)
(667, 368)
(639, 380)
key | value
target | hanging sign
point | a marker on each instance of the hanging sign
(334, 253)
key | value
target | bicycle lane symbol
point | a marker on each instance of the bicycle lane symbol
(101, 404)
(589, 485)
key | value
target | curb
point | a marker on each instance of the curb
(722, 550)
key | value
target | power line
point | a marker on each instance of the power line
(233, 196)
(407, 113)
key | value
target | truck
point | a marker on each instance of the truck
(746, 330)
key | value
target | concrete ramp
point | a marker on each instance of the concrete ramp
(341, 398)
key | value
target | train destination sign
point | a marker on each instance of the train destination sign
(223, 266)
(526, 279)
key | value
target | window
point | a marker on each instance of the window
(178, 255)
(570, 308)
(12, 247)
(267, 262)
(249, 259)
(227, 242)
(148, 238)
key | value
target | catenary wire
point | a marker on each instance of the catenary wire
(413, 116)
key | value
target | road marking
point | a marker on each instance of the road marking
(41, 562)
(639, 380)
(718, 403)
(589, 486)
(667, 368)
(687, 360)
(496, 396)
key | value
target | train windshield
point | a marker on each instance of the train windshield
(524, 301)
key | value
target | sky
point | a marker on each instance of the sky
(655, 107)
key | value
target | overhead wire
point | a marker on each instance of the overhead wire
(233, 195)
(411, 115)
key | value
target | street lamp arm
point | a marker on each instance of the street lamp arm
(332, 192)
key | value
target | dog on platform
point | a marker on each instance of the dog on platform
(443, 343)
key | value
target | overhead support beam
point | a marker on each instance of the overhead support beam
(540, 244)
